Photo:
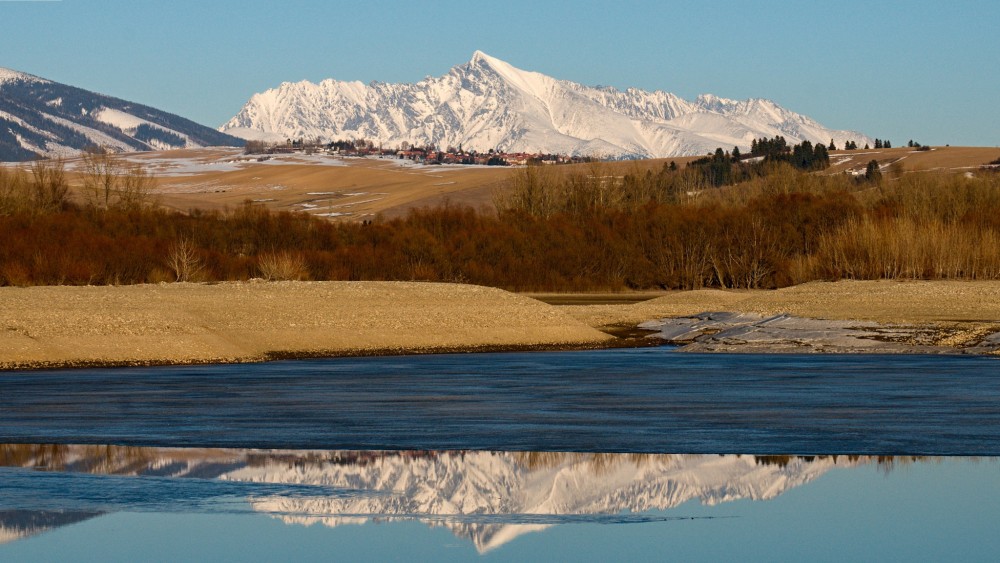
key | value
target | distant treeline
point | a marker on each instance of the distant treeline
(553, 230)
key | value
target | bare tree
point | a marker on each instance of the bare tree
(49, 186)
(183, 259)
(134, 186)
(45, 190)
(110, 181)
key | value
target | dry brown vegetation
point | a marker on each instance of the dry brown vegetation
(581, 228)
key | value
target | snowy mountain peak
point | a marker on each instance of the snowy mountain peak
(479, 57)
(483, 60)
(10, 75)
(488, 103)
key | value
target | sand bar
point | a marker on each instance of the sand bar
(253, 321)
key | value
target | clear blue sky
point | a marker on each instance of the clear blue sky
(928, 71)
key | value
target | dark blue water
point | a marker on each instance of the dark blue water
(632, 400)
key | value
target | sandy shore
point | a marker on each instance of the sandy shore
(238, 322)
(253, 321)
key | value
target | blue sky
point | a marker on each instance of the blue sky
(904, 70)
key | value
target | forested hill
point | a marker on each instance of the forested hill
(41, 118)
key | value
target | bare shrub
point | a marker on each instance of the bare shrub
(281, 266)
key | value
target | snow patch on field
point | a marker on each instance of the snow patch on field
(229, 161)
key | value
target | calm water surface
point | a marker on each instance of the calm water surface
(507, 457)
(636, 400)
(100, 503)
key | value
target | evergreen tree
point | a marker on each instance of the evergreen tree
(832, 146)
(887, 145)
(821, 157)
(736, 154)
(878, 143)
(872, 171)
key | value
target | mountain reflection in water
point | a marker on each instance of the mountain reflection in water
(488, 498)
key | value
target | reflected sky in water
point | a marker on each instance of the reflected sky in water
(120, 503)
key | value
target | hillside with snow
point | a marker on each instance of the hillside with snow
(41, 118)
(488, 104)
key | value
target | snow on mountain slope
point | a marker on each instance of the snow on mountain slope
(493, 497)
(489, 498)
(489, 104)
(9, 75)
(43, 118)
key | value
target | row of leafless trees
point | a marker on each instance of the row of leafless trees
(600, 229)
(108, 181)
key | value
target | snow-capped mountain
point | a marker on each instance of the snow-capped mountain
(489, 498)
(39, 117)
(489, 104)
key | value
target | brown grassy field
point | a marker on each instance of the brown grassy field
(360, 188)
(938, 159)
(219, 178)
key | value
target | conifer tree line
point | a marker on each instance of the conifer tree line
(724, 168)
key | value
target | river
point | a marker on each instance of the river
(634, 454)
(650, 400)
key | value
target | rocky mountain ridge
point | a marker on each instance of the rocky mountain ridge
(488, 104)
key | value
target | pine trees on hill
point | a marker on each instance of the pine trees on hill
(803, 156)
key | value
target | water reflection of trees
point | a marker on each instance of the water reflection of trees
(98, 459)
(885, 463)
(114, 459)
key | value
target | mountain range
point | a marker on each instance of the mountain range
(488, 498)
(41, 118)
(487, 104)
